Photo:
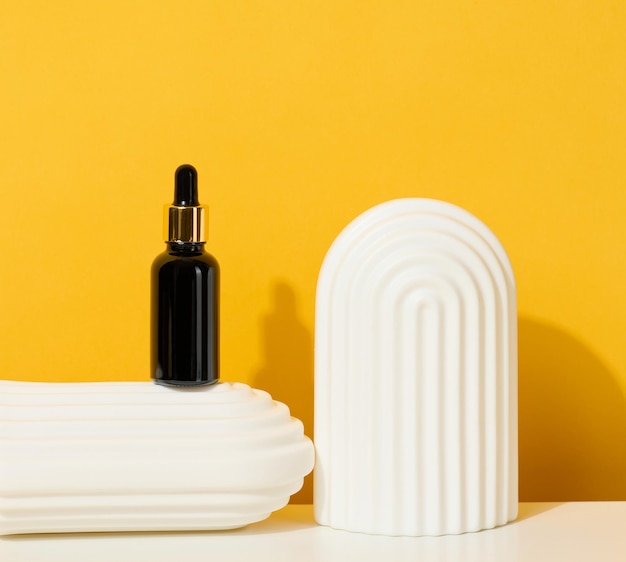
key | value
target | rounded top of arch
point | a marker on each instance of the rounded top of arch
(446, 216)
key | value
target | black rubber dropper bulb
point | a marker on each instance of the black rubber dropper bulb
(185, 294)
(186, 186)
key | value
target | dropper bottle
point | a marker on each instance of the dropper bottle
(185, 294)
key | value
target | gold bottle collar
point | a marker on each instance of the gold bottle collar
(185, 224)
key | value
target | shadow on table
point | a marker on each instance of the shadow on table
(528, 510)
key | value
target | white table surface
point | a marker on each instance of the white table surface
(543, 532)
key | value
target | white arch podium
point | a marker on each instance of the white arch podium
(416, 374)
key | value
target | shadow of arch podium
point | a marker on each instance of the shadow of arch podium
(416, 374)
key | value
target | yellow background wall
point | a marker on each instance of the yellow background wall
(299, 116)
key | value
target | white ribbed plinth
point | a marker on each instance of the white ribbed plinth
(416, 374)
(142, 457)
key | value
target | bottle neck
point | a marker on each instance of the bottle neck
(185, 248)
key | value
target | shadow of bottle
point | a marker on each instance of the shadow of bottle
(287, 370)
(572, 420)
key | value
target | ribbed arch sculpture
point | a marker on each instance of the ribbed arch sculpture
(416, 374)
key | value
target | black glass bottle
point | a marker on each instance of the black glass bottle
(185, 295)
